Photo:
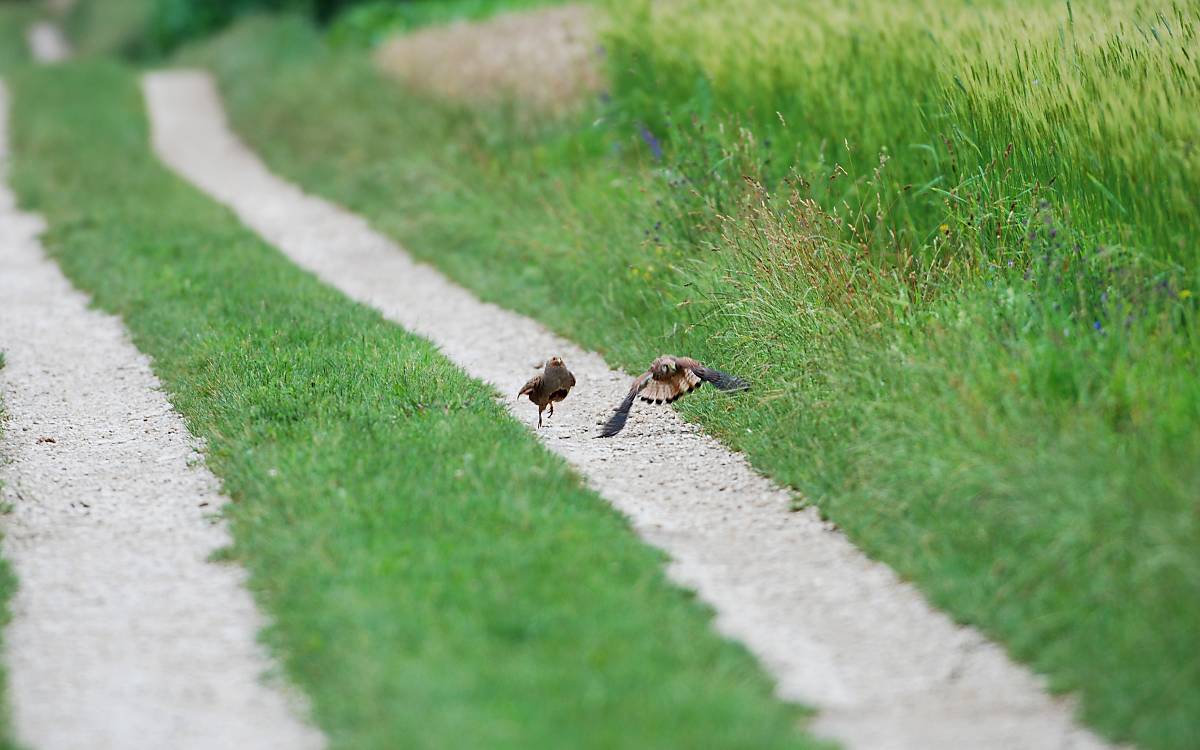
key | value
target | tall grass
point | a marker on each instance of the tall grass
(1097, 103)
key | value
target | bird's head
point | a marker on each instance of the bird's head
(665, 365)
(555, 362)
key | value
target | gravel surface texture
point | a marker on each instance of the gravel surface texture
(46, 42)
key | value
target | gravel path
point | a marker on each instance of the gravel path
(836, 630)
(546, 58)
(46, 42)
(123, 636)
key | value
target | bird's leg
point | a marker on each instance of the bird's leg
(540, 416)
(551, 414)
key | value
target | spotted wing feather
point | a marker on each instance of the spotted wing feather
(667, 391)
(721, 380)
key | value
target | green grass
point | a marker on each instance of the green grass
(436, 578)
(14, 19)
(1006, 416)
(1097, 100)
(112, 27)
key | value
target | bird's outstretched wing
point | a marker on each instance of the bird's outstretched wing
(616, 422)
(721, 380)
(533, 383)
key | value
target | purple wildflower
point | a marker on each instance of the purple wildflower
(652, 142)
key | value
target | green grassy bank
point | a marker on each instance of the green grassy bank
(14, 19)
(985, 379)
(436, 578)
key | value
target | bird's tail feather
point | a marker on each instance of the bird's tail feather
(615, 424)
(620, 415)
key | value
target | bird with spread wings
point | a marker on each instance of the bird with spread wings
(668, 379)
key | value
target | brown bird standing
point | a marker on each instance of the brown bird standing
(670, 378)
(550, 385)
